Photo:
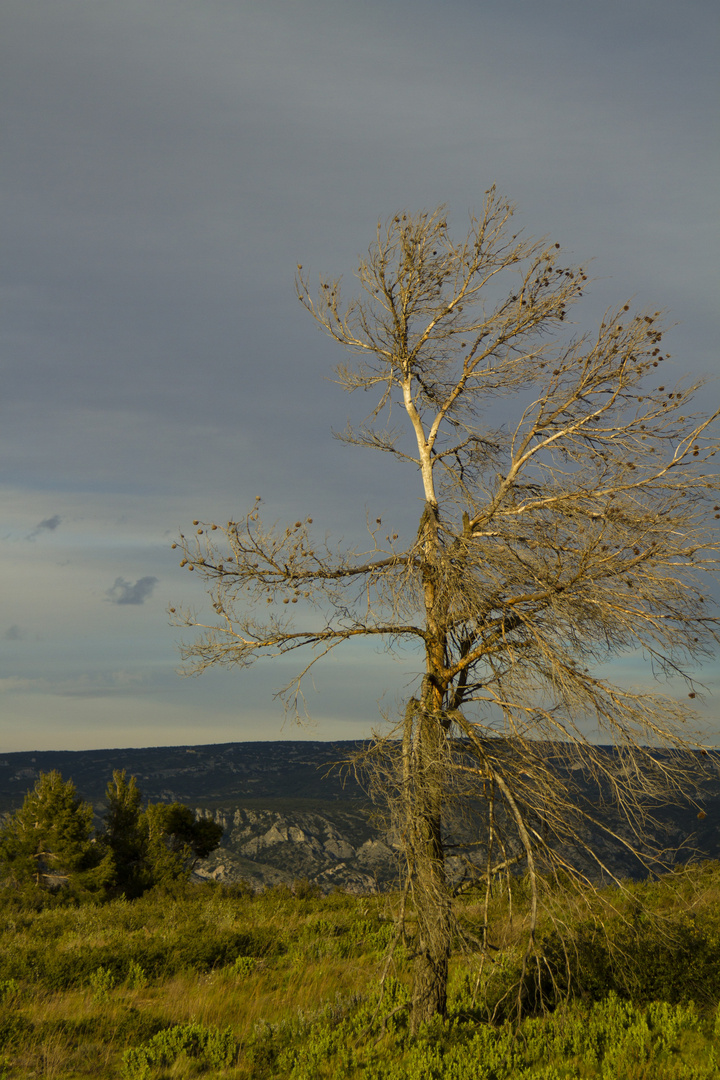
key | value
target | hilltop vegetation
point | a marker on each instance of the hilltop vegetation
(49, 847)
(194, 980)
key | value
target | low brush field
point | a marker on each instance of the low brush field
(211, 981)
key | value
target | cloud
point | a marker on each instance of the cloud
(123, 592)
(86, 685)
(13, 684)
(46, 525)
(50, 523)
(13, 633)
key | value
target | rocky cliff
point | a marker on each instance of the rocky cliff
(329, 845)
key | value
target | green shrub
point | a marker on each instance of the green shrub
(218, 1049)
(135, 979)
(612, 1029)
(244, 965)
(203, 949)
(303, 889)
(609, 1040)
(672, 960)
(136, 1026)
(101, 983)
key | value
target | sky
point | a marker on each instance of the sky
(165, 165)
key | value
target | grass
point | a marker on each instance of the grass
(210, 981)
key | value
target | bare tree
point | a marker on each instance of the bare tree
(544, 548)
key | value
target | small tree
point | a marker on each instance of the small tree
(544, 548)
(175, 840)
(126, 835)
(48, 841)
(154, 846)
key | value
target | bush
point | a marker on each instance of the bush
(672, 961)
(209, 1046)
(303, 889)
(324, 1029)
(244, 965)
(136, 979)
(101, 983)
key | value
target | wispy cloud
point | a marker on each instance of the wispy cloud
(13, 633)
(46, 525)
(124, 592)
(96, 684)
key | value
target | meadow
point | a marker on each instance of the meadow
(214, 981)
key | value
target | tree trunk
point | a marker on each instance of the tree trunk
(432, 907)
(430, 890)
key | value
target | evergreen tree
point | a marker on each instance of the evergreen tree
(176, 840)
(126, 835)
(154, 846)
(48, 842)
(49, 845)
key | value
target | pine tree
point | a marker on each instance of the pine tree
(48, 842)
(126, 835)
(153, 846)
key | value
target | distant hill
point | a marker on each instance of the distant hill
(289, 811)
(214, 772)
